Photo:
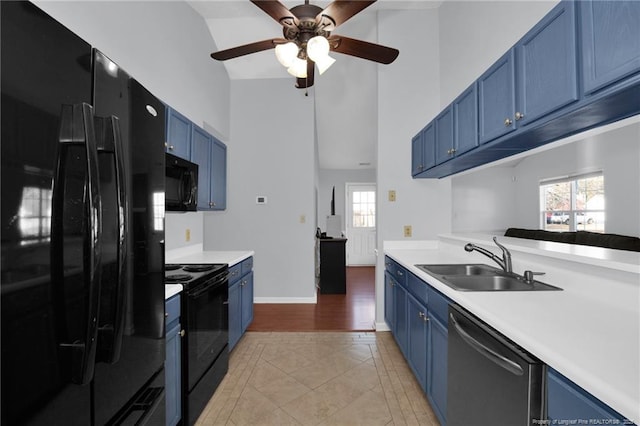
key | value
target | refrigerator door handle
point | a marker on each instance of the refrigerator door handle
(112, 331)
(76, 131)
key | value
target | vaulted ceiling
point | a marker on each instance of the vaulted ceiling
(345, 96)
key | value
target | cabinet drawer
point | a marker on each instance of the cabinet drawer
(247, 266)
(235, 272)
(172, 309)
(438, 305)
(418, 288)
(390, 266)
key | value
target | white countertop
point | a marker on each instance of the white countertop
(589, 332)
(196, 254)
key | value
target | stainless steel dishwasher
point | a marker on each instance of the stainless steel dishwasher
(491, 381)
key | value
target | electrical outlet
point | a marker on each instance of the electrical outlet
(187, 235)
(303, 218)
(407, 230)
(392, 195)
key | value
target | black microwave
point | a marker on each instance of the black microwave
(181, 184)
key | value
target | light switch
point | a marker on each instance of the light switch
(392, 195)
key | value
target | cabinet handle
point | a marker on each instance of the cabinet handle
(519, 116)
(507, 122)
(166, 145)
(420, 314)
(425, 318)
(400, 273)
(453, 151)
(182, 333)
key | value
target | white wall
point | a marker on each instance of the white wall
(271, 153)
(165, 45)
(408, 97)
(327, 179)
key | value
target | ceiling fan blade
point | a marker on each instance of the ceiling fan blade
(339, 11)
(303, 83)
(363, 49)
(278, 11)
(246, 49)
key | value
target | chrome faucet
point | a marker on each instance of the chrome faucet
(505, 262)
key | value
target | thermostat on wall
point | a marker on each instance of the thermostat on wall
(261, 199)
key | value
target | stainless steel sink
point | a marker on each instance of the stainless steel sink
(480, 277)
(494, 283)
(459, 269)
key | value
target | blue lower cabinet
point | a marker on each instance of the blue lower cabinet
(246, 300)
(418, 339)
(240, 300)
(437, 371)
(389, 315)
(567, 401)
(172, 364)
(401, 330)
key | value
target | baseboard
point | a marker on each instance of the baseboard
(382, 326)
(310, 300)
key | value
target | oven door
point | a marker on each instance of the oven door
(207, 331)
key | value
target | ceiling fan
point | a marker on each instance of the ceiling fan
(307, 38)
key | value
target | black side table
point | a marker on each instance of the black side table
(333, 270)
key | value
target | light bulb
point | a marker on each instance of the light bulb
(324, 63)
(317, 48)
(298, 68)
(286, 53)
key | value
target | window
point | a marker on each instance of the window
(364, 209)
(573, 203)
(35, 214)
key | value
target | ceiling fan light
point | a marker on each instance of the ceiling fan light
(324, 64)
(298, 68)
(317, 48)
(287, 53)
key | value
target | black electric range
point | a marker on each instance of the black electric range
(204, 316)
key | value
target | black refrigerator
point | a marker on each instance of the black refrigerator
(82, 232)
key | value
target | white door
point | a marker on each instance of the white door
(360, 220)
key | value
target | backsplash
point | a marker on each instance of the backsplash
(183, 229)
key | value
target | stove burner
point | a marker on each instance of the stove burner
(197, 268)
(175, 278)
(171, 267)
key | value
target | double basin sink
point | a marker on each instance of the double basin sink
(480, 277)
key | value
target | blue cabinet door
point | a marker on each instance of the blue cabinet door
(418, 339)
(465, 118)
(218, 175)
(444, 135)
(547, 65)
(497, 99)
(566, 400)
(389, 303)
(201, 155)
(401, 331)
(610, 34)
(417, 150)
(178, 134)
(246, 297)
(437, 371)
(235, 320)
(173, 367)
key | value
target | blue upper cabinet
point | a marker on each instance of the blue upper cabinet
(218, 175)
(497, 99)
(444, 135)
(201, 150)
(211, 157)
(610, 35)
(465, 118)
(547, 65)
(535, 78)
(178, 134)
(423, 150)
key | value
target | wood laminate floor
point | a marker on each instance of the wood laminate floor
(353, 311)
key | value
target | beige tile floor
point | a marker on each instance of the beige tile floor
(318, 378)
